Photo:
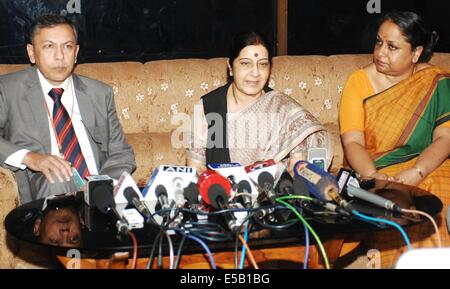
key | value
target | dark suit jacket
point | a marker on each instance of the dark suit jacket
(24, 124)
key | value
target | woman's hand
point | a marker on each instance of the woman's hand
(381, 176)
(409, 177)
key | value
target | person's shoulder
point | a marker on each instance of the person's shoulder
(282, 100)
(423, 66)
(362, 73)
(218, 91)
(17, 76)
(92, 83)
(361, 77)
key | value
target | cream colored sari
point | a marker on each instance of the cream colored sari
(273, 127)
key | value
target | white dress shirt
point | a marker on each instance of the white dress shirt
(70, 103)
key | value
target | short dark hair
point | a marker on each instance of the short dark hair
(50, 20)
(415, 30)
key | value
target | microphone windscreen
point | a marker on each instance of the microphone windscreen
(103, 199)
(217, 195)
(300, 187)
(130, 194)
(265, 177)
(160, 190)
(209, 178)
(244, 185)
(285, 187)
(191, 193)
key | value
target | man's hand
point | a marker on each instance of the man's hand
(51, 166)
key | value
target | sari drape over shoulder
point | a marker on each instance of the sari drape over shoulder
(273, 127)
(399, 122)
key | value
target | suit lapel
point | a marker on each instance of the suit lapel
(36, 100)
(84, 103)
(87, 112)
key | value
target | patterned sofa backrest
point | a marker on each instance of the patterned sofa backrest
(148, 95)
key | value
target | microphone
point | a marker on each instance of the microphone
(103, 200)
(301, 189)
(285, 187)
(178, 192)
(191, 194)
(173, 178)
(133, 199)
(234, 172)
(245, 189)
(161, 195)
(124, 182)
(219, 201)
(266, 182)
(209, 178)
(372, 198)
(95, 183)
(372, 210)
(320, 183)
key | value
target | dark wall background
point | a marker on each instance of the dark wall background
(337, 27)
(117, 30)
(142, 30)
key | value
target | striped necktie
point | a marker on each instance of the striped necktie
(67, 138)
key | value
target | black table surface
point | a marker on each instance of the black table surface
(95, 234)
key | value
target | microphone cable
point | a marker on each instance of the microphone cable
(236, 244)
(305, 260)
(319, 242)
(250, 255)
(391, 223)
(166, 221)
(171, 255)
(208, 251)
(180, 248)
(135, 249)
(203, 244)
(436, 230)
(241, 266)
(286, 225)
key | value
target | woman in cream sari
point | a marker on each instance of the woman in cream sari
(245, 122)
(395, 119)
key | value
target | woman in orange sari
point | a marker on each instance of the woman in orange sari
(395, 117)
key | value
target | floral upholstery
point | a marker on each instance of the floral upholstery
(148, 96)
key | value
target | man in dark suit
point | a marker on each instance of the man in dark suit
(52, 120)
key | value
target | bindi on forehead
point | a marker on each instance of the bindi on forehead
(256, 54)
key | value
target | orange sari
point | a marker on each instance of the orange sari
(399, 124)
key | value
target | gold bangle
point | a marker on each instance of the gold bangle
(419, 171)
